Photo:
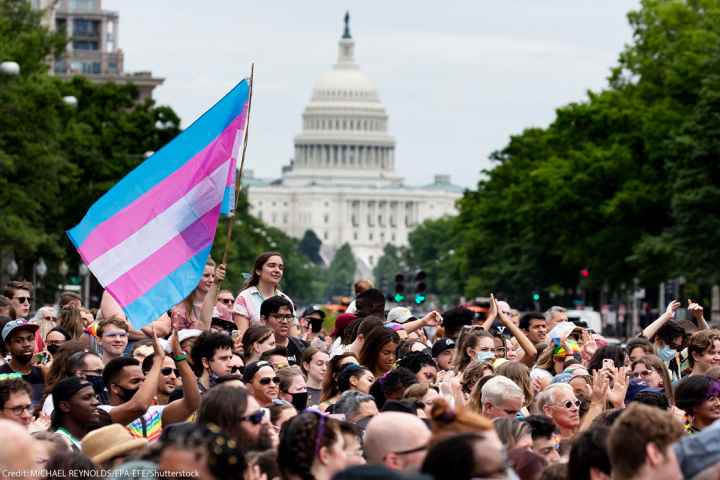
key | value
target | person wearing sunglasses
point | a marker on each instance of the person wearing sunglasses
(238, 414)
(169, 377)
(558, 401)
(262, 382)
(19, 294)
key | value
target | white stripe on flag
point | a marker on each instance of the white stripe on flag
(205, 196)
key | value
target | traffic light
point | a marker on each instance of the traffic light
(536, 297)
(399, 288)
(585, 273)
(420, 287)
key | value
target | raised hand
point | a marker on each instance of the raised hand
(432, 319)
(157, 348)
(219, 273)
(672, 306)
(600, 388)
(695, 309)
(175, 343)
(619, 386)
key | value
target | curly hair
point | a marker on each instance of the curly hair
(301, 439)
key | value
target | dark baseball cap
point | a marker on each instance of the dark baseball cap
(441, 345)
(252, 368)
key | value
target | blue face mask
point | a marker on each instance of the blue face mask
(666, 353)
(484, 356)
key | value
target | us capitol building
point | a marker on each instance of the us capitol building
(341, 182)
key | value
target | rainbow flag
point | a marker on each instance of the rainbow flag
(147, 239)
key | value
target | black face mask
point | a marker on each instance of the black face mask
(97, 382)
(299, 401)
(127, 393)
(53, 349)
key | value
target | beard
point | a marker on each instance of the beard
(23, 358)
(261, 443)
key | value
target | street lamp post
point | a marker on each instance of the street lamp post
(84, 272)
(10, 68)
(39, 272)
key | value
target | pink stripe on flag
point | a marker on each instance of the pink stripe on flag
(141, 278)
(172, 188)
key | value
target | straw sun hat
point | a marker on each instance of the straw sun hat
(108, 442)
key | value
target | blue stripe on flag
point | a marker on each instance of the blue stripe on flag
(171, 290)
(228, 202)
(164, 162)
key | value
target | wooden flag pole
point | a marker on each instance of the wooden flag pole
(238, 181)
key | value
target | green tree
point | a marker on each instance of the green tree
(310, 247)
(388, 265)
(341, 272)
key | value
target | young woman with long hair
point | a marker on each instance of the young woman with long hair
(264, 283)
(257, 340)
(330, 392)
(379, 351)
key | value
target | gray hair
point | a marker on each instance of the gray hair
(549, 312)
(350, 401)
(549, 394)
(498, 389)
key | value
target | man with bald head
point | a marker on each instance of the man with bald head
(397, 440)
(17, 453)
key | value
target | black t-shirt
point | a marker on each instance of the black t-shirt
(34, 378)
(295, 349)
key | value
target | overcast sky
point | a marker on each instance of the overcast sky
(457, 77)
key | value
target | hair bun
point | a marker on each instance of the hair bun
(442, 411)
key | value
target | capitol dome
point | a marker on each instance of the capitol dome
(344, 132)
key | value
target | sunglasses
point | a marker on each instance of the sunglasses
(23, 299)
(267, 380)
(237, 370)
(255, 418)
(168, 370)
(569, 404)
(226, 301)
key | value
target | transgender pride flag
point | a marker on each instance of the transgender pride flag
(148, 238)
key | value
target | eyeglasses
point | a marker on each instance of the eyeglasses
(27, 300)
(412, 450)
(226, 301)
(17, 411)
(255, 418)
(644, 373)
(50, 319)
(283, 318)
(168, 370)
(569, 404)
(267, 380)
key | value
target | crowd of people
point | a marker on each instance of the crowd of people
(227, 386)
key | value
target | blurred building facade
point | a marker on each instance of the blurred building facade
(93, 49)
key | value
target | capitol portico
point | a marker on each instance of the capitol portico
(341, 182)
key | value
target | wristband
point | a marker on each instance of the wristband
(180, 358)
